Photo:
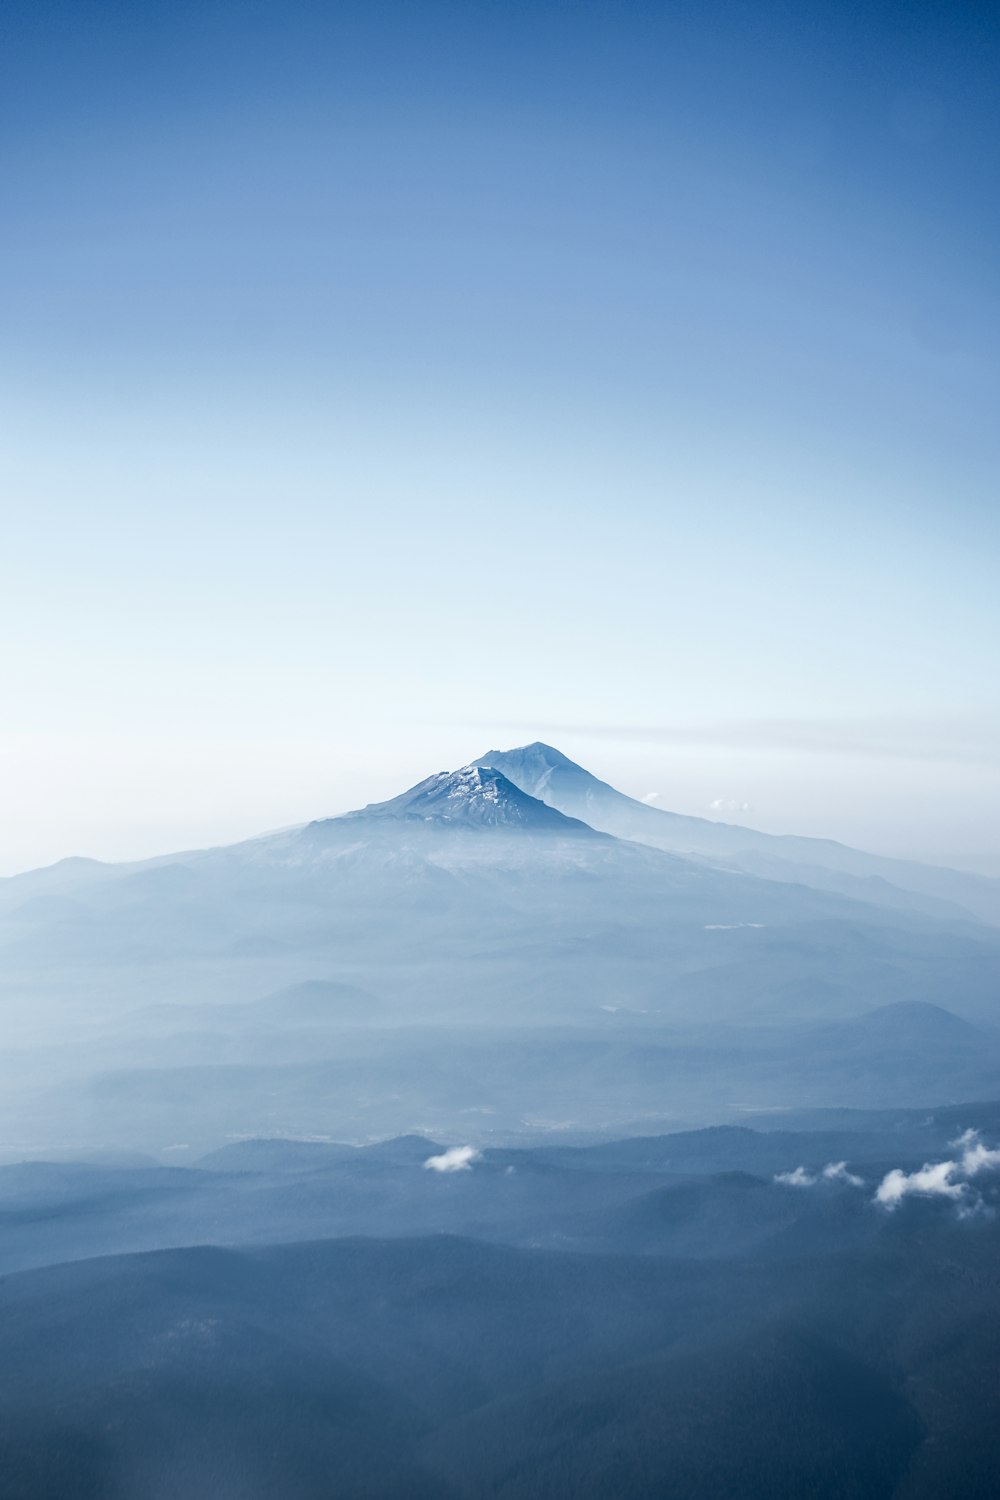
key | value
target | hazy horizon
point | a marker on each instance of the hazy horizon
(383, 382)
(662, 768)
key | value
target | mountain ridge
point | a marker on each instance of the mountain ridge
(479, 796)
(824, 864)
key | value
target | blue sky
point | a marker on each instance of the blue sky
(383, 382)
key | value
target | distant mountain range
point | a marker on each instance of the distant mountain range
(515, 940)
(666, 1316)
(555, 887)
(545, 773)
(531, 790)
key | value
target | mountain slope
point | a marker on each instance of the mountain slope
(545, 773)
(473, 796)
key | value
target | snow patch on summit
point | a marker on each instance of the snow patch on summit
(470, 782)
(474, 795)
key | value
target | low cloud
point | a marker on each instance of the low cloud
(730, 805)
(651, 797)
(976, 1157)
(834, 1171)
(932, 1181)
(729, 926)
(799, 1177)
(456, 1159)
(943, 1179)
(951, 1180)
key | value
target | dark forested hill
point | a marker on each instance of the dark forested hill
(446, 1367)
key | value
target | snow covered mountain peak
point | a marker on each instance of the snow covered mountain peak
(533, 767)
(476, 795)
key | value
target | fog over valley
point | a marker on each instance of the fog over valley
(468, 957)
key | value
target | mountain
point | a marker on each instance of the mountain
(709, 1193)
(464, 951)
(470, 892)
(545, 773)
(476, 797)
(468, 843)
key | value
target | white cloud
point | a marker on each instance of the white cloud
(935, 1180)
(943, 1179)
(836, 1171)
(798, 1178)
(651, 797)
(456, 1159)
(975, 1156)
(730, 805)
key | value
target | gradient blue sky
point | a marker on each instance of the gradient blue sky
(382, 382)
